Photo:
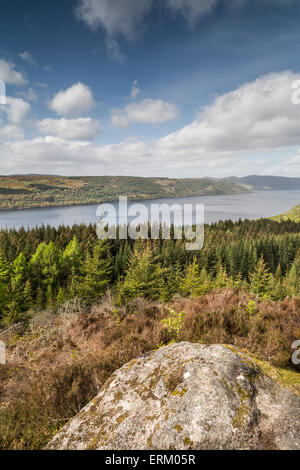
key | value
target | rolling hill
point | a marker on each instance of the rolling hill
(31, 191)
(262, 183)
(293, 214)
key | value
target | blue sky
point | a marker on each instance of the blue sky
(173, 88)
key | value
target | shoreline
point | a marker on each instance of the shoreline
(221, 207)
(74, 204)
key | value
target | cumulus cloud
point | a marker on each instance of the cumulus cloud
(15, 109)
(126, 17)
(235, 133)
(145, 111)
(9, 75)
(117, 17)
(257, 116)
(76, 100)
(28, 57)
(82, 128)
(11, 132)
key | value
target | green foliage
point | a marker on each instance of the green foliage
(96, 272)
(44, 267)
(195, 282)
(260, 280)
(144, 274)
(174, 323)
(45, 264)
(251, 308)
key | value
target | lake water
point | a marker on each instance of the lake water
(234, 207)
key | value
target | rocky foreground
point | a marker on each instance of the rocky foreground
(187, 396)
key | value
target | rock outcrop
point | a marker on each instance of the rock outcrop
(187, 396)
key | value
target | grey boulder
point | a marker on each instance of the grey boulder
(187, 396)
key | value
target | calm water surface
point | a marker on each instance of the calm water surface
(234, 207)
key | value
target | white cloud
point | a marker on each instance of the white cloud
(74, 101)
(144, 111)
(9, 75)
(11, 132)
(241, 130)
(15, 109)
(82, 128)
(257, 116)
(117, 17)
(135, 90)
(27, 57)
(127, 17)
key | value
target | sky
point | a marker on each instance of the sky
(171, 88)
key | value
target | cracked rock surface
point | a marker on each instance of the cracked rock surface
(187, 396)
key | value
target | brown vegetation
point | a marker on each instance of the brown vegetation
(62, 360)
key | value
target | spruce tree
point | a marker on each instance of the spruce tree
(144, 274)
(97, 271)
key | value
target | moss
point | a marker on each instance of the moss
(178, 428)
(242, 394)
(241, 412)
(174, 379)
(93, 444)
(244, 358)
(179, 393)
(187, 442)
(121, 418)
(288, 378)
(152, 417)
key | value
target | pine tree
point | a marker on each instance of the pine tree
(60, 297)
(46, 264)
(97, 271)
(222, 279)
(72, 255)
(172, 282)
(261, 280)
(192, 285)
(144, 274)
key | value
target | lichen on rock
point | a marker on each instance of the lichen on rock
(187, 396)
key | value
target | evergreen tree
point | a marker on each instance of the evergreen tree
(261, 280)
(193, 283)
(96, 272)
(46, 264)
(144, 274)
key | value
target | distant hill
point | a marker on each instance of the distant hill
(261, 183)
(293, 214)
(29, 191)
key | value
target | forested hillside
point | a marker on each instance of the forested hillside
(23, 192)
(45, 266)
(293, 214)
